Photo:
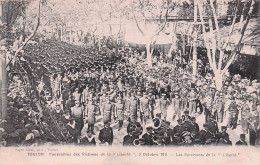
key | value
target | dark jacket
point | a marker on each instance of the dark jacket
(128, 140)
(88, 142)
(241, 143)
(106, 135)
(148, 138)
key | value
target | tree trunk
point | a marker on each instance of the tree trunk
(148, 54)
(116, 50)
(170, 51)
(70, 36)
(184, 44)
(3, 80)
(194, 62)
(218, 81)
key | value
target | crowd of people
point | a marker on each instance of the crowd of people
(72, 89)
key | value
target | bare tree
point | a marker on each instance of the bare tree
(219, 61)
(142, 12)
(11, 11)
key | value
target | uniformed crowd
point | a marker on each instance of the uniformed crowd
(158, 106)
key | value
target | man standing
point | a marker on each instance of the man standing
(232, 113)
(106, 134)
(133, 105)
(151, 103)
(90, 113)
(77, 113)
(164, 102)
(145, 108)
(119, 112)
(192, 101)
(218, 107)
(107, 110)
(176, 101)
(245, 114)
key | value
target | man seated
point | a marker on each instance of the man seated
(186, 117)
(242, 141)
(148, 137)
(106, 134)
(205, 136)
(88, 139)
(129, 139)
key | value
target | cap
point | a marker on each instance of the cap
(179, 120)
(149, 128)
(242, 135)
(186, 112)
(167, 122)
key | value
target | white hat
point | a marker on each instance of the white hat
(29, 136)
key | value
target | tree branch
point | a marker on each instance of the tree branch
(200, 7)
(214, 44)
(215, 19)
(137, 24)
(234, 52)
(221, 53)
(232, 27)
(165, 21)
(34, 32)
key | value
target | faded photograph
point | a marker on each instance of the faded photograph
(140, 73)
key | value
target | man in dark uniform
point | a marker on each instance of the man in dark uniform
(179, 128)
(193, 127)
(232, 113)
(242, 141)
(148, 136)
(223, 132)
(223, 137)
(144, 107)
(73, 129)
(57, 113)
(66, 117)
(129, 139)
(88, 140)
(213, 125)
(167, 134)
(176, 101)
(151, 103)
(106, 134)
(206, 137)
(186, 117)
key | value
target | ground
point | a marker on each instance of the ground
(119, 135)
